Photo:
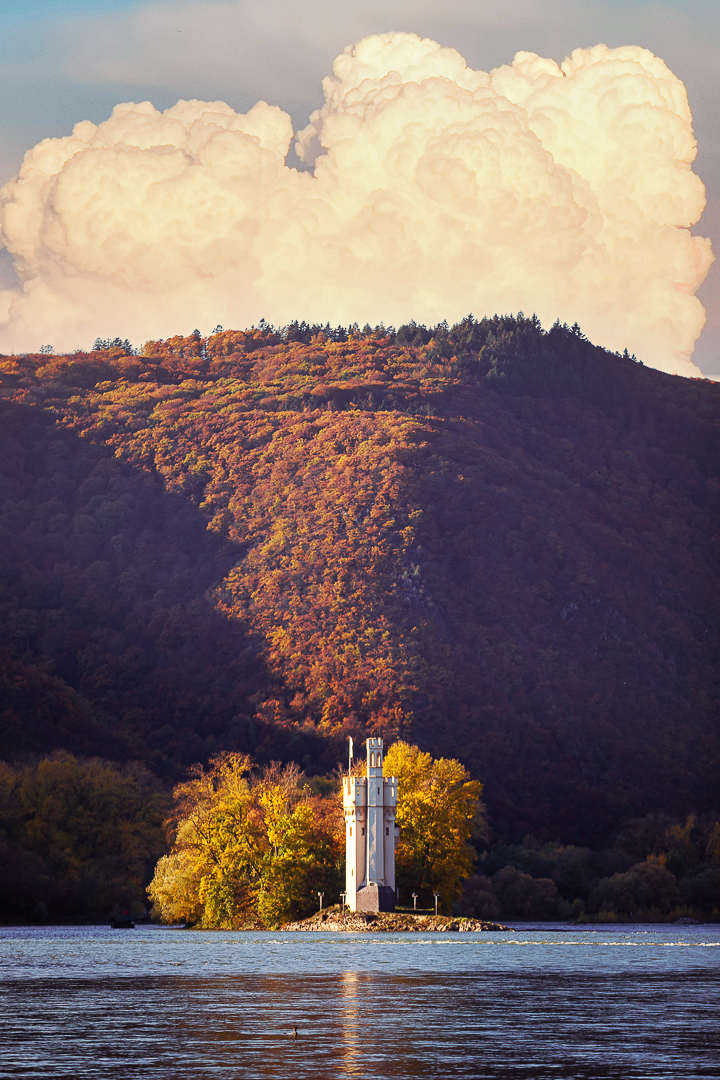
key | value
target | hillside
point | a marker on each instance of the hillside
(491, 540)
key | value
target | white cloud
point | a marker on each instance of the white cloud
(437, 190)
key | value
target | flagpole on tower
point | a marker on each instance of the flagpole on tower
(350, 754)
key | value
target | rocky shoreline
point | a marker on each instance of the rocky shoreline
(389, 922)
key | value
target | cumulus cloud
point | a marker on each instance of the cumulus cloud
(435, 190)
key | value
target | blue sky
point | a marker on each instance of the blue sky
(28, 9)
(62, 61)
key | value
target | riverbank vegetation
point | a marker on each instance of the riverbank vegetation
(81, 840)
(78, 838)
(657, 870)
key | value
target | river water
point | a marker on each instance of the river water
(543, 1002)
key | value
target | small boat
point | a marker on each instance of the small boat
(122, 922)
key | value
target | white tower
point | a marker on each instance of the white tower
(370, 804)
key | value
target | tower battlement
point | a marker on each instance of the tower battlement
(370, 806)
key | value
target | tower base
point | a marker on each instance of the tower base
(375, 898)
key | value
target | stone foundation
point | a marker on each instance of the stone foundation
(375, 898)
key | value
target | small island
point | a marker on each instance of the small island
(388, 922)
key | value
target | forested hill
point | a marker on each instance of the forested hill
(491, 540)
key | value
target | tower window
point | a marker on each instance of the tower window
(372, 761)
(351, 830)
(387, 832)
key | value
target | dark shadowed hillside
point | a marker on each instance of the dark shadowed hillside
(494, 541)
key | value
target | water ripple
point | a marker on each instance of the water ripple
(169, 1005)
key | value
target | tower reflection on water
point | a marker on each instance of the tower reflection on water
(349, 994)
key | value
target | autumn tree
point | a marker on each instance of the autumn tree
(439, 810)
(246, 847)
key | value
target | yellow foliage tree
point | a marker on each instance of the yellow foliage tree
(245, 848)
(175, 888)
(283, 885)
(439, 810)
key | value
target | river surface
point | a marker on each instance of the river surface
(543, 1002)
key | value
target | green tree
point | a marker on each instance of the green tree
(479, 900)
(439, 810)
(522, 896)
(645, 887)
(78, 836)
(702, 891)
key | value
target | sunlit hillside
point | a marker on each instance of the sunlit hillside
(492, 540)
